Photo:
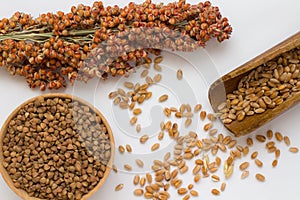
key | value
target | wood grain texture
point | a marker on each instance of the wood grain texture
(3, 171)
(228, 83)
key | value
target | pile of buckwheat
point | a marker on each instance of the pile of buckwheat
(56, 148)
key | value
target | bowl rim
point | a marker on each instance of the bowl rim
(22, 193)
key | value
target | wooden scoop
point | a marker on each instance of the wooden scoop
(229, 82)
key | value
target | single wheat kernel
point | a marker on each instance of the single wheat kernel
(128, 148)
(127, 167)
(213, 169)
(162, 125)
(163, 98)
(148, 95)
(158, 162)
(215, 192)
(158, 59)
(259, 110)
(131, 106)
(211, 117)
(168, 125)
(119, 187)
(227, 121)
(207, 126)
(186, 197)
(244, 165)
(188, 122)
(157, 67)
(218, 161)
(179, 74)
(294, 149)
(148, 195)
(138, 192)
(231, 144)
(155, 146)
(254, 155)
(165, 193)
(113, 95)
(188, 156)
(260, 177)
(138, 128)
(161, 135)
(215, 178)
(188, 107)
(137, 111)
(188, 114)
(121, 149)
(184, 169)
(258, 162)
(182, 191)
(157, 78)
(260, 138)
(269, 134)
(272, 149)
(197, 178)
(182, 108)
(270, 144)
(240, 148)
(167, 156)
(223, 187)
(274, 163)
(241, 116)
(121, 92)
(149, 178)
(194, 193)
(244, 174)
(196, 169)
(125, 99)
(277, 153)
(278, 136)
(144, 138)
(144, 73)
(212, 131)
(174, 173)
(167, 112)
(226, 140)
(117, 100)
(173, 109)
(142, 181)
(115, 169)
(178, 114)
(133, 120)
(177, 183)
(245, 151)
(249, 142)
(202, 115)
(287, 140)
(147, 63)
(190, 186)
(197, 108)
(129, 85)
(167, 175)
(136, 179)
(139, 162)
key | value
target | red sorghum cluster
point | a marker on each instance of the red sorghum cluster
(100, 41)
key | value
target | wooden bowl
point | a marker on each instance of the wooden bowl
(228, 83)
(23, 194)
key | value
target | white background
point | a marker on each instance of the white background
(257, 26)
